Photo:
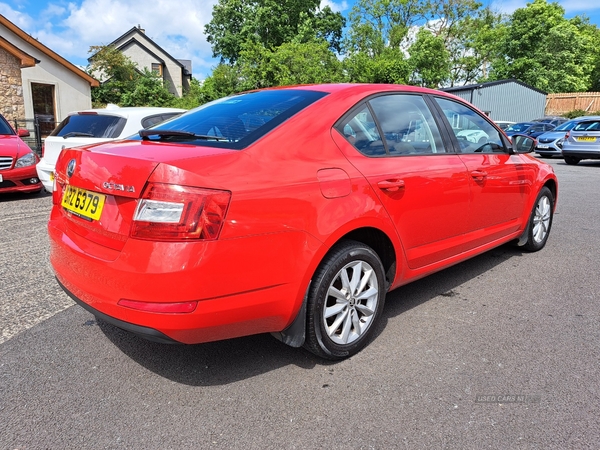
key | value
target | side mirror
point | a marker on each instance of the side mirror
(522, 143)
(22, 132)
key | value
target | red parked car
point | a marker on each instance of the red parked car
(17, 161)
(291, 211)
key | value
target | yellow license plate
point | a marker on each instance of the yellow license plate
(586, 138)
(83, 203)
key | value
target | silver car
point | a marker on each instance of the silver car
(582, 142)
(550, 143)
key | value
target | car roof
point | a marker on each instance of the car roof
(131, 111)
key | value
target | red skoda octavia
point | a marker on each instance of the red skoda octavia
(290, 211)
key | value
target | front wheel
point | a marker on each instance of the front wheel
(540, 221)
(345, 301)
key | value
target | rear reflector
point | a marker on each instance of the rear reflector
(169, 212)
(183, 307)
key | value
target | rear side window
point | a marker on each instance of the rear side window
(392, 125)
(407, 125)
(91, 125)
(237, 121)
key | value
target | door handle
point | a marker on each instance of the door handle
(479, 175)
(392, 185)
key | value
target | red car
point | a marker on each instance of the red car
(291, 211)
(17, 161)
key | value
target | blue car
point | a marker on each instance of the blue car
(533, 129)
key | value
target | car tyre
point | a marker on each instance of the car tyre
(571, 160)
(540, 221)
(345, 301)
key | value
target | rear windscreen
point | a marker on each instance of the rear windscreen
(237, 121)
(587, 126)
(5, 128)
(90, 125)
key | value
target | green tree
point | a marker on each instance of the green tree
(390, 66)
(376, 25)
(384, 31)
(123, 83)
(544, 49)
(148, 90)
(269, 23)
(223, 81)
(289, 64)
(429, 59)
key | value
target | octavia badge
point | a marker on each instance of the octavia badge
(71, 168)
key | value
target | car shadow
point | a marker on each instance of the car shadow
(21, 196)
(583, 163)
(225, 362)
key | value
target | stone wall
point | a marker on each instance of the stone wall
(12, 105)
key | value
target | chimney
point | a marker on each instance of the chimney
(141, 29)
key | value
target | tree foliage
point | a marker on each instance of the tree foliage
(544, 49)
(429, 59)
(270, 23)
(123, 83)
(433, 43)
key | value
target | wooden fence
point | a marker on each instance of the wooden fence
(559, 104)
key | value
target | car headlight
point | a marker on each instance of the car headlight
(559, 143)
(26, 160)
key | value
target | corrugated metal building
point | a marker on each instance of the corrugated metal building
(504, 99)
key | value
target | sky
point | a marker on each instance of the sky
(70, 27)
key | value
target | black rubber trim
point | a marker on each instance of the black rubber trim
(581, 154)
(147, 333)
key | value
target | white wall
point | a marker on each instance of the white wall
(71, 92)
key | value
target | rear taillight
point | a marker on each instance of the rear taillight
(57, 191)
(43, 149)
(568, 135)
(169, 212)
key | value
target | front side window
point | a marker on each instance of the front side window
(474, 133)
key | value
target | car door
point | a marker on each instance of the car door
(394, 141)
(500, 182)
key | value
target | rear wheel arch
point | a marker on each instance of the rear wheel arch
(381, 244)
(376, 239)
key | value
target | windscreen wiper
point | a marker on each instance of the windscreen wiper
(77, 134)
(145, 135)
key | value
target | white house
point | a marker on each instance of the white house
(147, 54)
(36, 82)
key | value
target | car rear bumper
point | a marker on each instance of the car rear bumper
(581, 154)
(45, 173)
(145, 332)
(548, 149)
(240, 286)
(23, 179)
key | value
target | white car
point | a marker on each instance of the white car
(93, 126)
(504, 124)
(474, 136)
